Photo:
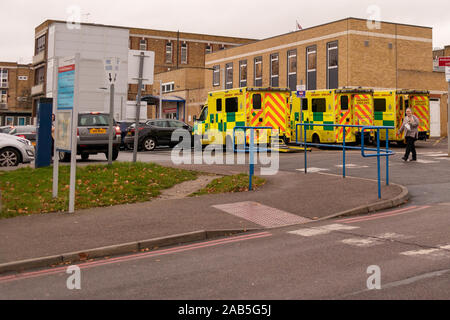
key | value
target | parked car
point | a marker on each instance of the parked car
(155, 133)
(25, 132)
(124, 125)
(15, 150)
(6, 129)
(93, 136)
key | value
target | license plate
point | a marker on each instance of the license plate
(97, 131)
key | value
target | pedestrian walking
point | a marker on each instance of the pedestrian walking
(410, 127)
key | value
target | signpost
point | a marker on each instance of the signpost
(111, 72)
(66, 121)
(445, 62)
(140, 73)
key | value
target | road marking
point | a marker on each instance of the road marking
(434, 154)
(383, 215)
(362, 242)
(426, 161)
(351, 166)
(136, 256)
(313, 169)
(262, 215)
(315, 231)
(440, 252)
(443, 158)
(392, 236)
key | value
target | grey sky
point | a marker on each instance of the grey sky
(242, 18)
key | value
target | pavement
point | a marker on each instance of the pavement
(288, 198)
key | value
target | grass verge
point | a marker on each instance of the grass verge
(29, 191)
(235, 183)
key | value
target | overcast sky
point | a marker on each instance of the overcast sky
(257, 19)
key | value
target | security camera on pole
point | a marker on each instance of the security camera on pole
(141, 65)
(111, 72)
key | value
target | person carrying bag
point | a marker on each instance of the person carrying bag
(410, 126)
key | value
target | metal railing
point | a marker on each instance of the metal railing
(379, 152)
(251, 149)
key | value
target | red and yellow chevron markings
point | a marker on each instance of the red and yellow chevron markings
(363, 110)
(421, 110)
(275, 111)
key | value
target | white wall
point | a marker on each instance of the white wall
(94, 43)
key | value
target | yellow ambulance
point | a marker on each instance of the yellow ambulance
(347, 106)
(243, 107)
(390, 107)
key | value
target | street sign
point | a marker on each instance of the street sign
(133, 67)
(301, 87)
(301, 94)
(111, 69)
(444, 61)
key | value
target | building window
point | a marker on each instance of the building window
(274, 70)
(208, 49)
(222, 47)
(258, 72)
(9, 121)
(144, 87)
(168, 87)
(40, 76)
(143, 44)
(216, 76)
(3, 78)
(40, 44)
(3, 96)
(332, 65)
(311, 68)
(21, 121)
(169, 52)
(184, 53)
(243, 73)
(292, 69)
(229, 76)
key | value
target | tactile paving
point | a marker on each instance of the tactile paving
(265, 216)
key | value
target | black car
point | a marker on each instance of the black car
(155, 133)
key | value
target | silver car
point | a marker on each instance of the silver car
(93, 136)
(15, 150)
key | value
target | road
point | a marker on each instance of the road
(322, 260)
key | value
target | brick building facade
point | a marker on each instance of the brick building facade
(345, 53)
(15, 93)
(173, 50)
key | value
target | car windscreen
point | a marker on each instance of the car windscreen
(93, 120)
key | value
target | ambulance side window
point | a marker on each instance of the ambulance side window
(379, 105)
(256, 101)
(304, 104)
(406, 104)
(344, 102)
(319, 105)
(401, 103)
(219, 105)
(231, 105)
(204, 114)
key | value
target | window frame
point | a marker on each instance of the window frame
(143, 43)
(169, 53)
(310, 51)
(227, 105)
(229, 77)
(274, 57)
(216, 76)
(243, 64)
(257, 60)
(291, 54)
(184, 47)
(375, 105)
(313, 105)
(333, 45)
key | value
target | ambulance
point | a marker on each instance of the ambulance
(347, 106)
(244, 107)
(390, 107)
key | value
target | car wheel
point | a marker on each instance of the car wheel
(84, 156)
(115, 154)
(9, 158)
(149, 144)
(64, 156)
